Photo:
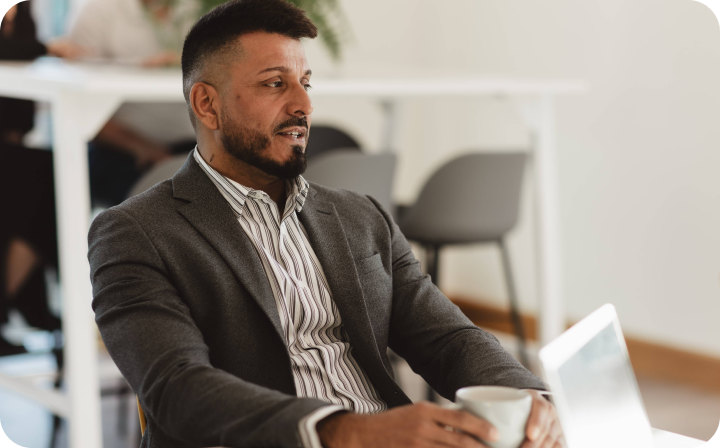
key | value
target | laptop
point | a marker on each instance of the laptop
(594, 387)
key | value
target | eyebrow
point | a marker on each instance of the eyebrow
(281, 69)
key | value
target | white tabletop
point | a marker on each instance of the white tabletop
(45, 77)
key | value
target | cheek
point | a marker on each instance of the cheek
(252, 113)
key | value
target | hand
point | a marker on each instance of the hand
(543, 428)
(66, 49)
(161, 59)
(412, 426)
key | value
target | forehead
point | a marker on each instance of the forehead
(262, 50)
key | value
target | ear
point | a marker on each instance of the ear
(205, 103)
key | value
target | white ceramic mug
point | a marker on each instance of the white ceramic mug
(505, 408)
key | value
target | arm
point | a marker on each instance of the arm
(442, 345)
(145, 152)
(27, 50)
(437, 339)
(153, 339)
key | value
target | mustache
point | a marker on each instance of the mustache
(294, 121)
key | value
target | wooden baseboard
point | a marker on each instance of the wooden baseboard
(649, 359)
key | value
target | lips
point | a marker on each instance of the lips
(295, 132)
(295, 135)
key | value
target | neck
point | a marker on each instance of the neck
(244, 174)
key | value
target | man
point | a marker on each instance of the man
(247, 308)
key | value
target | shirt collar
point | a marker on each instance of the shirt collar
(236, 194)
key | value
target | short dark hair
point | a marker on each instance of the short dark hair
(217, 32)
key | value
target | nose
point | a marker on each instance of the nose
(299, 103)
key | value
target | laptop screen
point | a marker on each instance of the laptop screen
(602, 400)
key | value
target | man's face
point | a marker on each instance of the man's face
(265, 115)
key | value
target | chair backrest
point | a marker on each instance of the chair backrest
(160, 172)
(327, 138)
(370, 174)
(473, 198)
(141, 416)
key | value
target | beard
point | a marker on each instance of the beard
(249, 145)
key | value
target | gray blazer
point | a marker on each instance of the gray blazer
(186, 311)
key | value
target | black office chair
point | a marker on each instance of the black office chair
(369, 174)
(471, 199)
(327, 138)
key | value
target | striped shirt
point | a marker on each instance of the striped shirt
(322, 362)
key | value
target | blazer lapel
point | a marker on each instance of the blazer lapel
(209, 212)
(328, 240)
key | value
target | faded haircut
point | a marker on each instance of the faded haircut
(214, 38)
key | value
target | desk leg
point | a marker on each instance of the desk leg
(72, 195)
(548, 217)
(539, 115)
(389, 133)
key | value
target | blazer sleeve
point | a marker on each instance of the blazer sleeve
(150, 334)
(436, 339)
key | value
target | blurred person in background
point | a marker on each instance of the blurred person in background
(27, 228)
(139, 135)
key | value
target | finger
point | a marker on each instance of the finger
(549, 441)
(465, 422)
(556, 434)
(532, 428)
(546, 436)
(561, 442)
(454, 438)
(538, 423)
(553, 435)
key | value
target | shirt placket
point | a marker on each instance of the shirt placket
(291, 295)
(301, 289)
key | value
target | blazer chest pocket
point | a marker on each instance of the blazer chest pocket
(368, 264)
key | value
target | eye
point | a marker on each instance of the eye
(275, 84)
(307, 87)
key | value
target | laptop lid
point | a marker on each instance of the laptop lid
(594, 387)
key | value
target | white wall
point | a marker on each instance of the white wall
(639, 154)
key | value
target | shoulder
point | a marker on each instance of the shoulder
(110, 7)
(343, 198)
(95, 17)
(352, 208)
(95, 11)
(149, 206)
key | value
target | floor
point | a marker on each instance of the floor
(673, 407)
(681, 409)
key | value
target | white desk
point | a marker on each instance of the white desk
(84, 97)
